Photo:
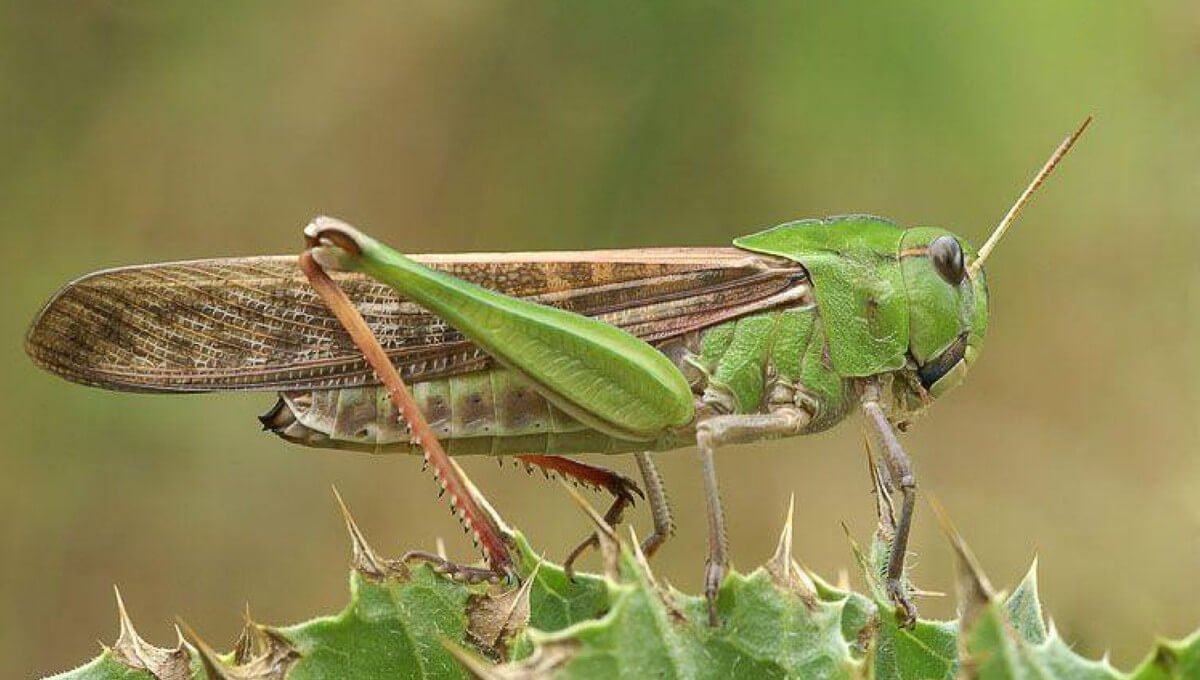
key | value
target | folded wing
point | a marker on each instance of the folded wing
(255, 323)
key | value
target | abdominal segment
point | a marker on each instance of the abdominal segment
(490, 412)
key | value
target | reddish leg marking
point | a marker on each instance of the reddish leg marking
(485, 530)
(622, 488)
(594, 476)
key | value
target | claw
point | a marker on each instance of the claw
(604, 536)
(714, 574)
(906, 611)
(613, 517)
(594, 477)
(459, 572)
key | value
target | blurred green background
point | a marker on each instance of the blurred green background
(139, 131)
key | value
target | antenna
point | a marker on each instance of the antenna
(1015, 210)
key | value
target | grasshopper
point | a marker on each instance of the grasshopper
(544, 355)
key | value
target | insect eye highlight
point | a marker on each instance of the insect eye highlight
(948, 259)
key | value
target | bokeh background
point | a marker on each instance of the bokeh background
(144, 131)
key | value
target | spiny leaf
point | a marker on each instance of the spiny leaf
(1025, 608)
(1002, 639)
(773, 626)
(496, 619)
(1172, 661)
(778, 621)
(390, 625)
(136, 653)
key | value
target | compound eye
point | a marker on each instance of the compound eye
(947, 258)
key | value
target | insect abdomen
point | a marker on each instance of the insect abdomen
(490, 412)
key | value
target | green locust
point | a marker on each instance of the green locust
(543, 355)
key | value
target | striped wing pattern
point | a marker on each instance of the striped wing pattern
(255, 323)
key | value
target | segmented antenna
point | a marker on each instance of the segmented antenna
(1015, 210)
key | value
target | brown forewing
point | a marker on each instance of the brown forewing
(255, 323)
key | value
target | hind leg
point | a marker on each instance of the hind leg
(621, 487)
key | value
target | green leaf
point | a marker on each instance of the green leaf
(105, 667)
(1007, 638)
(929, 650)
(1025, 608)
(390, 625)
(1172, 660)
(650, 632)
(777, 621)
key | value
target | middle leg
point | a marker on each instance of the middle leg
(717, 431)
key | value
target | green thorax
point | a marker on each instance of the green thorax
(775, 358)
(857, 283)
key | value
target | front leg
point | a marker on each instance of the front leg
(716, 431)
(900, 469)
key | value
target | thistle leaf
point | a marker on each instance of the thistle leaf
(777, 621)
